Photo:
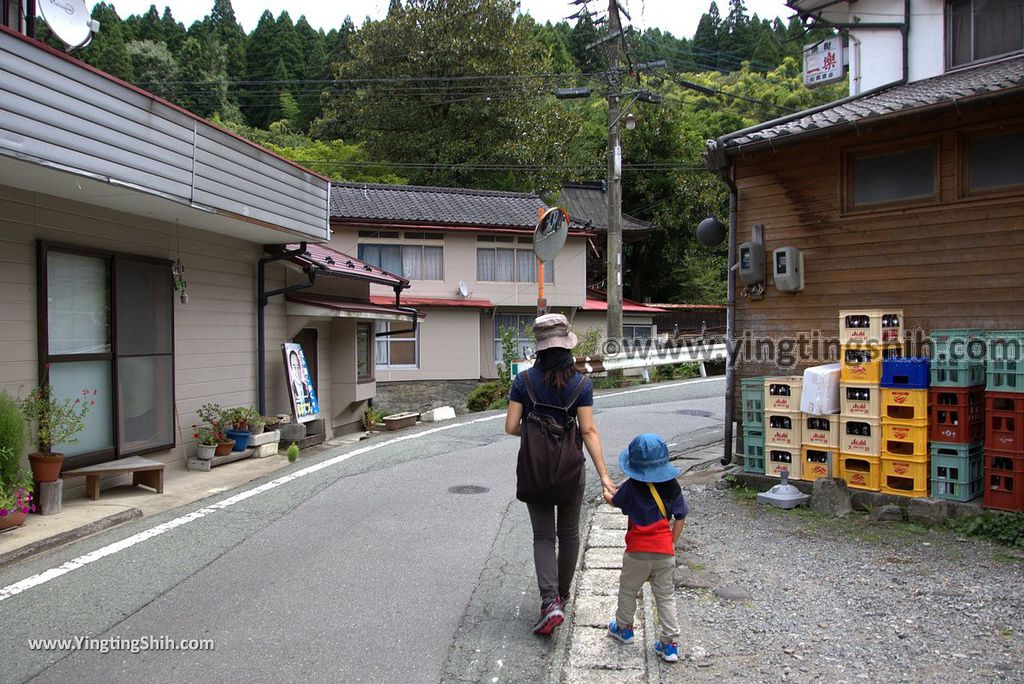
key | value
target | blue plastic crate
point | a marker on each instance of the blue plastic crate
(906, 373)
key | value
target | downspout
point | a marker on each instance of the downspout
(414, 313)
(261, 302)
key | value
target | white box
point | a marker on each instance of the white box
(820, 394)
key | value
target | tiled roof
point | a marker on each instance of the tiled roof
(952, 87)
(435, 206)
(588, 202)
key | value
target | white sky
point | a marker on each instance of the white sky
(679, 17)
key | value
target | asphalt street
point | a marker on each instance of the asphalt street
(400, 559)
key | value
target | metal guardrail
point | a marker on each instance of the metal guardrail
(654, 356)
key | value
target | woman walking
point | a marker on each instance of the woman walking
(551, 384)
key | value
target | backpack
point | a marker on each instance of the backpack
(551, 459)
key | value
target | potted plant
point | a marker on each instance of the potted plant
(214, 415)
(206, 442)
(15, 493)
(257, 423)
(56, 421)
(240, 416)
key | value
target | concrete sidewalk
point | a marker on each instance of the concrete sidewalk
(594, 657)
(81, 516)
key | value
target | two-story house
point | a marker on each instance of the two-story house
(909, 193)
(468, 255)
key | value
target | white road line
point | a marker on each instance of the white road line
(80, 562)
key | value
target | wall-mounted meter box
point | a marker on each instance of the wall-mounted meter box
(751, 258)
(788, 267)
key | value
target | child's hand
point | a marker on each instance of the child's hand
(607, 496)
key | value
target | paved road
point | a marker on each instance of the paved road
(363, 567)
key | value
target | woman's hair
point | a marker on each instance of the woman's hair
(557, 366)
(559, 378)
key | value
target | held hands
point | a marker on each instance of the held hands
(608, 488)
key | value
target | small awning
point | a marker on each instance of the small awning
(597, 301)
(341, 264)
(332, 307)
(436, 301)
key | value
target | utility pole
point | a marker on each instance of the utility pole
(614, 197)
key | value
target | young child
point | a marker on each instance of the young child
(650, 497)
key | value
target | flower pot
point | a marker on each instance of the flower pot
(256, 428)
(204, 452)
(12, 519)
(46, 467)
(241, 438)
(241, 426)
(224, 447)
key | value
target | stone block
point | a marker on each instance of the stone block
(593, 648)
(599, 583)
(831, 497)
(271, 436)
(887, 513)
(594, 611)
(695, 579)
(292, 432)
(315, 427)
(438, 414)
(927, 511)
(265, 450)
(603, 558)
(615, 539)
(732, 592)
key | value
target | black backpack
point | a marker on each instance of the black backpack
(551, 459)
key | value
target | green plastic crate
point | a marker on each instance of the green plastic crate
(957, 491)
(752, 398)
(1005, 345)
(941, 340)
(961, 463)
(753, 450)
(957, 373)
(1005, 376)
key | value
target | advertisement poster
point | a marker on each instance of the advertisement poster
(300, 386)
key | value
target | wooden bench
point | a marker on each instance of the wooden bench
(143, 470)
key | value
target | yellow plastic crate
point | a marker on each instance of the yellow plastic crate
(863, 363)
(782, 428)
(777, 459)
(908, 406)
(820, 431)
(877, 326)
(861, 472)
(783, 393)
(860, 436)
(901, 441)
(860, 399)
(814, 462)
(905, 477)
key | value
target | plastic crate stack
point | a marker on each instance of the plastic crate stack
(782, 425)
(867, 337)
(752, 398)
(956, 418)
(905, 457)
(1004, 421)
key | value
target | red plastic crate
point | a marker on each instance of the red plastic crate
(956, 415)
(1004, 462)
(1004, 491)
(1010, 402)
(1004, 431)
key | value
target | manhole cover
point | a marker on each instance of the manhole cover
(694, 412)
(468, 489)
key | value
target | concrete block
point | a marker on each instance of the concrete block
(927, 511)
(265, 450)
(603, 558)
(600, 583)
(438, 414)
(292, 432)
(315, 427)
(271, 436)
(607, 538)
(594, 611)
(593, 648)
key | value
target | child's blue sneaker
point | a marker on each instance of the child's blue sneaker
(668, 651)
(623, 634)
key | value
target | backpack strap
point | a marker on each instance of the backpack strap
(572, 400)
(657, 499)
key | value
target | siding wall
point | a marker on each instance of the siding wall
(449, 347)
(215, 333)
(954, 263)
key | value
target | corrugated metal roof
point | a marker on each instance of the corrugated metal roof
(436, 301)
(341, 264)
(431, 205)
(588, 202)
(996, 77)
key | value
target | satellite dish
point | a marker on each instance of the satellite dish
(70, 21)
(552, 230)
(463, 290)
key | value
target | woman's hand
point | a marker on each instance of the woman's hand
(609, 488)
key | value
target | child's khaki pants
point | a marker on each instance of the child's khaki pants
(637, 568)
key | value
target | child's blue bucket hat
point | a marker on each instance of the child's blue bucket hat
(646, 460)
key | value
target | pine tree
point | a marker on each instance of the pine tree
(707, 41)
(260, 65)
(174, 31)
(108, 49)
(229, 34)
(151, 27)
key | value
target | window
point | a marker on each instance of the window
(400, 349)
(522, 325)
(636, 332)
(994, 161)
(107, 325)
(980, 29)
(364, 352)
(891, 177)
(508, 265)
(415, 262)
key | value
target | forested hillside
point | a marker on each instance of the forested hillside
(460, 93)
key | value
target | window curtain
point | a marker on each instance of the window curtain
(391, 259)
(433, 263)
(382, 344)
(526, 266)
(505, 265)
(549, 272)
(412, 261)
(485, 265)
(998, 27)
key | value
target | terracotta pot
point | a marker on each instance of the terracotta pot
(46, 467)
(16, 519)
(224, 447)
(242, 426)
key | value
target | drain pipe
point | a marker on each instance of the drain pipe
(262, 296)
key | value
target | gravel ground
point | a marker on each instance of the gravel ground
(841, 600)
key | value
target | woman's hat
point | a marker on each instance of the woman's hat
(646, 460)
(552, 330)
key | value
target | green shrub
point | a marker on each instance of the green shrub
(293, 453)
(483, 396)
(13, 437)
(499, 403)
(589, 342)
(1003, 528)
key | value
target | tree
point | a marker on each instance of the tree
(706, 40)
(108, 49)
(151, 27)
(226, 31)
(154, 66)
(174, 31)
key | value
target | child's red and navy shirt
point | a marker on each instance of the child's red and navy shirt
(649, 531)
